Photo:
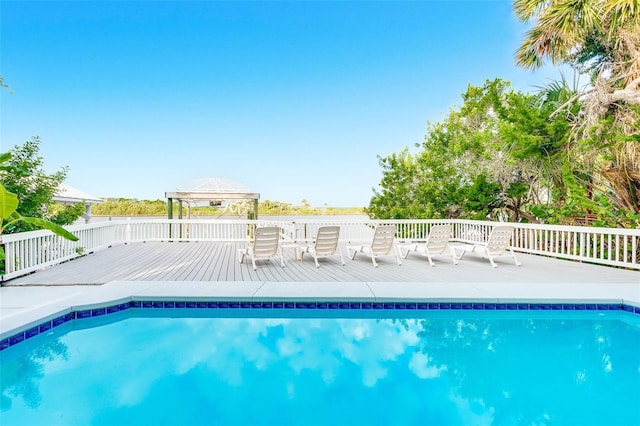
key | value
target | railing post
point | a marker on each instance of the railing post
(127, 231)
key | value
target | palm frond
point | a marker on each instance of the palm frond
(527, 9)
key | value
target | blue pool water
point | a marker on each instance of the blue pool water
(291, 368)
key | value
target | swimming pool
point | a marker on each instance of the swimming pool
(329, 366)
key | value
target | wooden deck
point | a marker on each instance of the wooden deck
(213, 261)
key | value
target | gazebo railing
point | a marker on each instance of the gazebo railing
(30, 251)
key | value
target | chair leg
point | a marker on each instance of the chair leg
(493, 264)
(241, 254)
(454, 258)
(398, 261)
(341, 258)
(253, 262)
(355, 251)
(373, 259)
(428, 254)
(312, 252)
(514, 258)
(463, 251)
(409, 248)
(430, 261)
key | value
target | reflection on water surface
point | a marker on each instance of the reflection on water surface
(430, 370)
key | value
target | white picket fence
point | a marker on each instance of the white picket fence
(30, 251)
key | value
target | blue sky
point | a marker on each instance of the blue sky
(294, 99)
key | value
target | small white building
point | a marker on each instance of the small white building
(66, 195)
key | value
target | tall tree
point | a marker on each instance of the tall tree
(452, 175)
(497, 156)
(601, 38)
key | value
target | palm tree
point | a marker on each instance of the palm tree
(602, 38)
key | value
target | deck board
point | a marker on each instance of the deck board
(214, 261)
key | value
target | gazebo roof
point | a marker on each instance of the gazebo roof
(214, 185)
(212, 189)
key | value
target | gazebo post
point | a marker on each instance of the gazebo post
(169, 208)
(255, 209)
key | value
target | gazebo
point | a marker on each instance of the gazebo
(216, 191)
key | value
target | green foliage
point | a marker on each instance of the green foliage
(502, 154)
(134, 207)
(462, 169)
(275, 208)
(8, 203)
(131, 207)
(66, 214)
(599, 38)
(480, 198)
(10, 217)
(401, 182)
(24, 176)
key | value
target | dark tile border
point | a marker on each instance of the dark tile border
(91, 313)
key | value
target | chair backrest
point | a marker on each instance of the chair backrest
(439, 238)
(265, 241)
(383, 239)
(327, 240)
(499, 239)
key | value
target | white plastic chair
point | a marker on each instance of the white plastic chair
(263, 246)
(497, 244)
(326, 244)
(437, 243)
(381, 245)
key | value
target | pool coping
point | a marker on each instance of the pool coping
(93, 301)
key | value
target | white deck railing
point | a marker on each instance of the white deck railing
(30, 251)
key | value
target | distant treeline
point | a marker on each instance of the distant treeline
(134, 207)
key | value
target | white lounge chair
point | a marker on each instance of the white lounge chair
(497, 245)
(263, 246)
(381, 245)
(437, 243)
(326, 244)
